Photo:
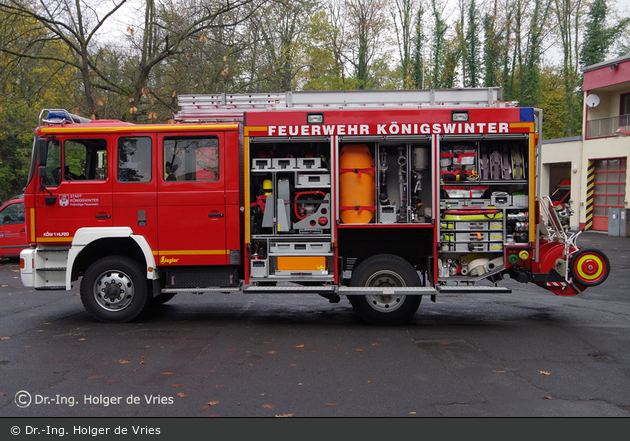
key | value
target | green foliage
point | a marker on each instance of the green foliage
(552, 103)
(598, 38)
(471, 48)
(26, 86)
(418, 73)
(492, 50)
(325, 68)
(15, 150)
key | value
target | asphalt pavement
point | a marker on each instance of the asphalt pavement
(525, 354)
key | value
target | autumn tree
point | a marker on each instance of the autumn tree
(471, 47)
(530, 68)
(278, 30)
(492, 47)
(552, 102)
(75, 24)
(418, 49)
(403, 17)
(27, 85)
(215, 61)
(569, 15)
(367, 22)
(438, 44)
(160, 34)
(167, 30)
(326, 67)
(446, 49)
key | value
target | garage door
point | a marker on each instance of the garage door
(609, 190)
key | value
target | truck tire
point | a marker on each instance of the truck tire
(115, 289)
(385, 270)
(589, 267)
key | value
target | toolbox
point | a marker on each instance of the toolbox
(307, 264)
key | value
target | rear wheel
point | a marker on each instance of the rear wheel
(589, 267)
(385, 271)
(115, 289)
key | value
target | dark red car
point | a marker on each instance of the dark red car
(12, 228)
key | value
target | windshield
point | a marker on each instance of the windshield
(559, 194)
(31, 171)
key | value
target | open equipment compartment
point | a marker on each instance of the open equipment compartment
(386, 182)
(484, 206)
(290, 210)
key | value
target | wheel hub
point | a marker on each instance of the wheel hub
(113, 290)
(385, 302)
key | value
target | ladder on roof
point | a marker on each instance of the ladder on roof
(221, 107)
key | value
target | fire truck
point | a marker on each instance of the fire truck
(380, 197)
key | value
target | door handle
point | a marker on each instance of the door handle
(103, 216)
(216, 215)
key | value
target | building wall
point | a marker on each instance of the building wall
(608, 80)
(560, 151)
(603, 148)
(609, 104)
(578, 153)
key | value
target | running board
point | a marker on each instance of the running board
(200, 290)
(348, 290)
(389, 291)
(341, 290)
(473, 290)
(328, 289)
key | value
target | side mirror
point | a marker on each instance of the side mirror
(42, 151)
(41, 171)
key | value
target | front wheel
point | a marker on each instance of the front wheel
(115, 289)
(385, 271)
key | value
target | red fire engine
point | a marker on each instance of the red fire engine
(379, 196)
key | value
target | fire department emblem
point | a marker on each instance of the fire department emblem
(64, 200)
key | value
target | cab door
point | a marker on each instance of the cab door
(135, 186)
(12, 229)
(78, 179)
(191, 199)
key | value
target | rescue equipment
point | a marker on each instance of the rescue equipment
(311, 210)
(356, 184)
(501, 162)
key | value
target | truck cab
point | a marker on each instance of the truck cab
(162, 199)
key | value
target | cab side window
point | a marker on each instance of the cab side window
(134, 159)
(191, 158)
(85, 159)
